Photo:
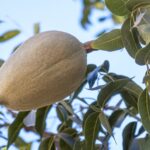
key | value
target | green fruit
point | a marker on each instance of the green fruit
(45, 69)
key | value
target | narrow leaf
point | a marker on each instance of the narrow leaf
(118, 7)
(144, 143)
(110, 41)
(41, 115)
(1, 62)
(132, 4)
(144, 109)
(105, 122)
(8, 35)
(47, 143)
(90, 129)
(15, 127)
(116, 118)
(77, 145)
(142, 57)
(128, 135)
(109, 90)
(128, 39)
(144, 31)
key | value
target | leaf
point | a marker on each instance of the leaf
(144, 143)
(105, 67)
(92, 77)
(142, 57)
(129, 99)
(128, 135)
(133, 4)
(78, 91)
(118, 7)
(1, 62)
(67, 138)
(105, 122)
(144, 109)
(20, 142)
(109, 90)
(91, 125)
(140, 131)
(47, 143)
(90, 68)
(128, 38)
(15, 127)
(41, 115)
(8, 35)
(116, 118)
(36, 28)
(66, 141)
(109, 41)
(131, 93)
(61, 113)
(138, 19)
(67, 107)
(133, 88)
(26, 147)
(144, 31)
(16, 47)
(77, 145)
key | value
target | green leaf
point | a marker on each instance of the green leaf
(77, 145)
(118, 7)
(131, 93)
(1, 62)
(128, 38)
(129, 99)
(144, 31)
(26, 147)
(41, 115)
(78, 91)
(133, 4)
(105, 66)
(47, 144)
(140, 131)
(61, 113)
(67, 107)
(109, 41)
(15, 127)
(105, 122)
(36, 28)
(91, 126)
(142, 57)
(144, 143)
(16, 47)
(90, 68)
(144, 109)
(128, 135)
(8, 35)
(116, 118)
(133, 88)
(20, 142)
(109, 90)
(66, 141)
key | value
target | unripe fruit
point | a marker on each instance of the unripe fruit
(45, 69)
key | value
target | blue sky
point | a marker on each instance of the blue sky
(61, 15)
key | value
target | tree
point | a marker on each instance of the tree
(93, 126)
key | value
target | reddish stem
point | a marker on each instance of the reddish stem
(88, 46)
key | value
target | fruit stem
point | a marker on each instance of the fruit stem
(88, 46)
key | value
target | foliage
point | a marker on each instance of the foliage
(92, 124)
